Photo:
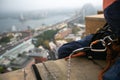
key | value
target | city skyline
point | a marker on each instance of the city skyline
(27, 5)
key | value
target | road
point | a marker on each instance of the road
(13, 45)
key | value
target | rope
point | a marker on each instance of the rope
(69, 66)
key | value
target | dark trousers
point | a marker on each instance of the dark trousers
(66, 49)
(112, 16)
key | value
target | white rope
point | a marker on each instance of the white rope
(69, 67)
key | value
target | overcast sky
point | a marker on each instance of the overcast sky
(13, 5)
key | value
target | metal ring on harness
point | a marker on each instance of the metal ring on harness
(105, 41)
(98, 50)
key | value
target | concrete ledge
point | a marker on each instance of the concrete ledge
(81, 69)
(19, 75)
(93, 23)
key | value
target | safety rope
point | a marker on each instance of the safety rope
(103, 41)
(69, 67)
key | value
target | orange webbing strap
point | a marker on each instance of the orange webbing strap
(76, 55)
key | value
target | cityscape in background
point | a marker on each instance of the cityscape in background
(31, 37)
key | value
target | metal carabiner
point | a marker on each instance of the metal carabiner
(98, 50)
(108, 39)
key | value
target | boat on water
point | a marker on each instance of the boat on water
(22, 18)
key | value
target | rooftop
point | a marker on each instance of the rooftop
(100, 16)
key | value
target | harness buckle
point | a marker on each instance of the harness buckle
(109, 39)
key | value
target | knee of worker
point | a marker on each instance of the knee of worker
(62, 52)
(66, 49)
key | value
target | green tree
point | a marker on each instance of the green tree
(46, 44)
(75, 30)
(44, 38)
(1, 69)
(5, 40)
